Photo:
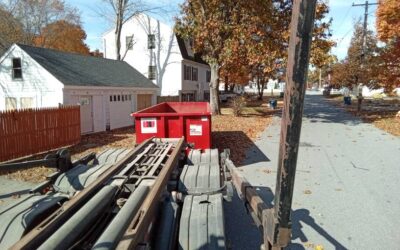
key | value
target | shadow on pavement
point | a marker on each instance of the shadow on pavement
(238, 143)
(242, 233)
(318, 110)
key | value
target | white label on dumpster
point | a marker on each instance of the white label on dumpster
(148, 125)
(204, 118)
(196, 130)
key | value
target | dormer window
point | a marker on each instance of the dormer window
(151, 41)
(16, 68)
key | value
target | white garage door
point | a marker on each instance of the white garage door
(120, 110)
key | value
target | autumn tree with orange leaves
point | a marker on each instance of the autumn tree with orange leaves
(45, 23)
(64, 36)
(388, 28)
(212, 25)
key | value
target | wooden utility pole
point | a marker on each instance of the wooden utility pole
(363, 48)
(301, 29)
(364, 35)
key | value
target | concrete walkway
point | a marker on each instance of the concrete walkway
(347, 191)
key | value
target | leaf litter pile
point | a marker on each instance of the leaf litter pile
(236, 133)
(239, 133)
(381, 113)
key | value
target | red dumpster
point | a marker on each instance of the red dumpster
(174, 120)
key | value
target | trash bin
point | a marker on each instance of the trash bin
(347, 100)
(174, 120)
(273, 103)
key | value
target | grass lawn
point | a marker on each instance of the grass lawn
(228, 131)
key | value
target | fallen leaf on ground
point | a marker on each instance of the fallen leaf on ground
(309, 245)
(307, 191)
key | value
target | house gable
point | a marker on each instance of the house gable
(36, 83)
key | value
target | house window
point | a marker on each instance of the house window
(119, 98)
(26, 102)
(188, 97)
(129, 42)
(194, 74)
(16, 68)
(208, 76)
(151, 41)
(115, 98)
(111, 98)
(206, 96)
(11, 103)
(152, 72)
(187, 72)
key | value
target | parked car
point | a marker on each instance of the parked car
(225, 96)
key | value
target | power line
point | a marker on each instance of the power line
(364, 35)
(345, 16)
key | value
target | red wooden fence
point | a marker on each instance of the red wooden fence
(30, 131)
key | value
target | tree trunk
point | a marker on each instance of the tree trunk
(261, 93)
(258, 86)
(320, 79)
(118, 26)
(118, 42)
(226, 86)
(214, 93)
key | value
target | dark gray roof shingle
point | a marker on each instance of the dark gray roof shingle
(81, 70)
(182, 47)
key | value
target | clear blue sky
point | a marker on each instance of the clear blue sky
(341, 11)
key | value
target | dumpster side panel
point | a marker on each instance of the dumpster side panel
(147, 127)
(175, 125)
(198, 131)
(174, 120)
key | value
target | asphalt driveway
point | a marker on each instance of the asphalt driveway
(347, 190)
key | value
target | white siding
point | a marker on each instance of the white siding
(139, 56)
(36, 82)
(106, 114)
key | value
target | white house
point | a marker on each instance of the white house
(107, 90)
(152, 48)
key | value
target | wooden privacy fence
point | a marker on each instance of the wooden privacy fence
(161, 99)
(30, 131)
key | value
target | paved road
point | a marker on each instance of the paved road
(347, 190)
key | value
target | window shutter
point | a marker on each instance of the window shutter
(152, 72)
(151, 41)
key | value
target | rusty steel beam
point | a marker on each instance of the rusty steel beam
(139, 226)
(279, 227)
(40, 233)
